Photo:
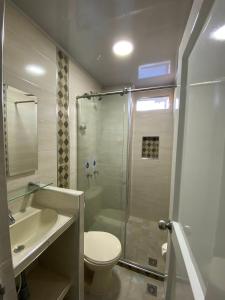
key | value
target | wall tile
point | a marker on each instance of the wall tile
(150, 178)
(150, 147)
(25, 44)
(5, 129)
(63, 138)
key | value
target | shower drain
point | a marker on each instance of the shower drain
(152, 289)
(18, 248)
(152, 262)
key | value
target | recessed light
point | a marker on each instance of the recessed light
(123, 48)
(219, 34)
(35, 70)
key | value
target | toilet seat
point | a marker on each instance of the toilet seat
(101, 248)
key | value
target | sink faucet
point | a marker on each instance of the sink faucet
(11, 218)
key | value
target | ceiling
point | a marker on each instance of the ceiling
(87, 30)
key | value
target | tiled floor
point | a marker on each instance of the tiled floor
(129, 285)
(144, 241)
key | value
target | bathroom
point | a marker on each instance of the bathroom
(112, 150)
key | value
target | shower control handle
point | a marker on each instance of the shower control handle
(163, 225)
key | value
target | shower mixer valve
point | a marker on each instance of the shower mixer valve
(87, 172)
(95, 172)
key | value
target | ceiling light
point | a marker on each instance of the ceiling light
(219, 34)
(123, 48)
(35, 70)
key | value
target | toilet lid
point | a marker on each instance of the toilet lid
(101, 247)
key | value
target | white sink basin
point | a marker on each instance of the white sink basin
(50, 213)
(30, 227)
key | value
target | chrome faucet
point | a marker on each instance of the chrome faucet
(11, 218)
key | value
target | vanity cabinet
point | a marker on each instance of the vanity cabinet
(47, 244)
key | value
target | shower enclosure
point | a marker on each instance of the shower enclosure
(102, 162)
(107, 135)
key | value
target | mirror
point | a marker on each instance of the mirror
(21, 131)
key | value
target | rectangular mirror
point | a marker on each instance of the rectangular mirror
(21, 131)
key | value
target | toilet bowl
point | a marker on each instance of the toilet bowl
(102, 251)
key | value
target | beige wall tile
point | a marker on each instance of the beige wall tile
(150, 178)
(80, 82)
(27, 44)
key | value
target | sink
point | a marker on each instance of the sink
(51, 211)
(31, 227)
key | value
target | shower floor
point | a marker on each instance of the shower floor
(143, 243)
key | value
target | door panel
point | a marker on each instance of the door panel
(181, 285)
(204, 140)
(198, 243)
(188, 278)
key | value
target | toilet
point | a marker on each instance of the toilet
(102, 251)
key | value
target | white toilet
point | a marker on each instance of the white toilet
(102, 251)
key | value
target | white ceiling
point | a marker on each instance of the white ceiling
(87, 29)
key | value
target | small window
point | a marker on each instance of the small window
(157, 103)
(154, 70)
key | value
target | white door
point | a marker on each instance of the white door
(196, 260)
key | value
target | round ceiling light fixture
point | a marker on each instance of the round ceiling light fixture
(35, 70)
(123, 48)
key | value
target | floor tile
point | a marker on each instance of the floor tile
(143, 241)
(129, 285)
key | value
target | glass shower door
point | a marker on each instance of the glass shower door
(102, 162)
(150, 167)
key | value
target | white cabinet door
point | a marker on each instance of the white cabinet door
(7, 283)
(196, 261)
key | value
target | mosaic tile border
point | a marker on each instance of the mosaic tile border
(63, 141)
(5, 128)
(150, 147)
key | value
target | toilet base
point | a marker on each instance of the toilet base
(101, 282)
(98, 279)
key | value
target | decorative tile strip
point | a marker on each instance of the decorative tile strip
(5, 128)
(63, 142)
(150, 147)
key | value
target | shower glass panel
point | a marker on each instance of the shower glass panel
(150, 168)
(124, 168)
(102, 162)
